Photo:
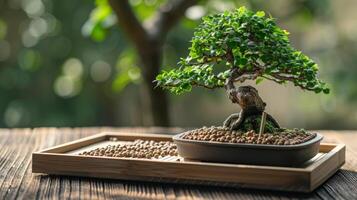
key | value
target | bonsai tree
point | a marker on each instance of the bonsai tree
(236, 46)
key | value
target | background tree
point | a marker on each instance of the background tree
(42, 43)
(148, 38)
(250, 46)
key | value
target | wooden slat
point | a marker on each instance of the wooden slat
(22, 184)
(58, 160)
(345, 137)
(142, 170)
(331, 164)
(75, 144)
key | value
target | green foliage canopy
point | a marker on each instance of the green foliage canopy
(248, 42)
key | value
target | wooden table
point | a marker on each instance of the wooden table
(17, 181)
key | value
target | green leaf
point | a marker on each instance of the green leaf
(259, 80)
(326, 90)
(247, 40)
(260, 13)
(243, 61)
(317, 90)
(186, 86)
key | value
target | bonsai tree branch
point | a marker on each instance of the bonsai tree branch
(251, 46)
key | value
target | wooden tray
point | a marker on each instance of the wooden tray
(64, 160)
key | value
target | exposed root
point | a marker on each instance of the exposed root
(239, 121)
(252, 105)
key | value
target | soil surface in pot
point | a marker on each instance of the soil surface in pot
(138, 149)
(223, 134)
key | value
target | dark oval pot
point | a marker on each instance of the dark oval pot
(257, 154)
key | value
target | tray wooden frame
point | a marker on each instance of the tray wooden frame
(57, 161)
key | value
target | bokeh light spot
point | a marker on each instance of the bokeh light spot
(33, 8)
(13, 114)
(100, 71)
(29, 40)
(53, 25)
(66, 86)
(73, 67)
(195, 12)
(38, 27)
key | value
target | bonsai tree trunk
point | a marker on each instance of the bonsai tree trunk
(252, 106)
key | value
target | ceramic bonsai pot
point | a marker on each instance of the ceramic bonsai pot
(240, 153)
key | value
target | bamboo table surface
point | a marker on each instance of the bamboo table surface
(18, 182)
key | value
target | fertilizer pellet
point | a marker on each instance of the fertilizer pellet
(223, 134)
(147, 149)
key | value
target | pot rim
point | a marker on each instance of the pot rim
(317, 138)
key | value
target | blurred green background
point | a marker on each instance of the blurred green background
(68, 63)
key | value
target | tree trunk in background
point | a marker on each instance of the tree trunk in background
(108, 115)
(154, 100)
(148, 40)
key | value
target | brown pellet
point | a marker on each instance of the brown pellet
(147, 149)
(223, 134)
